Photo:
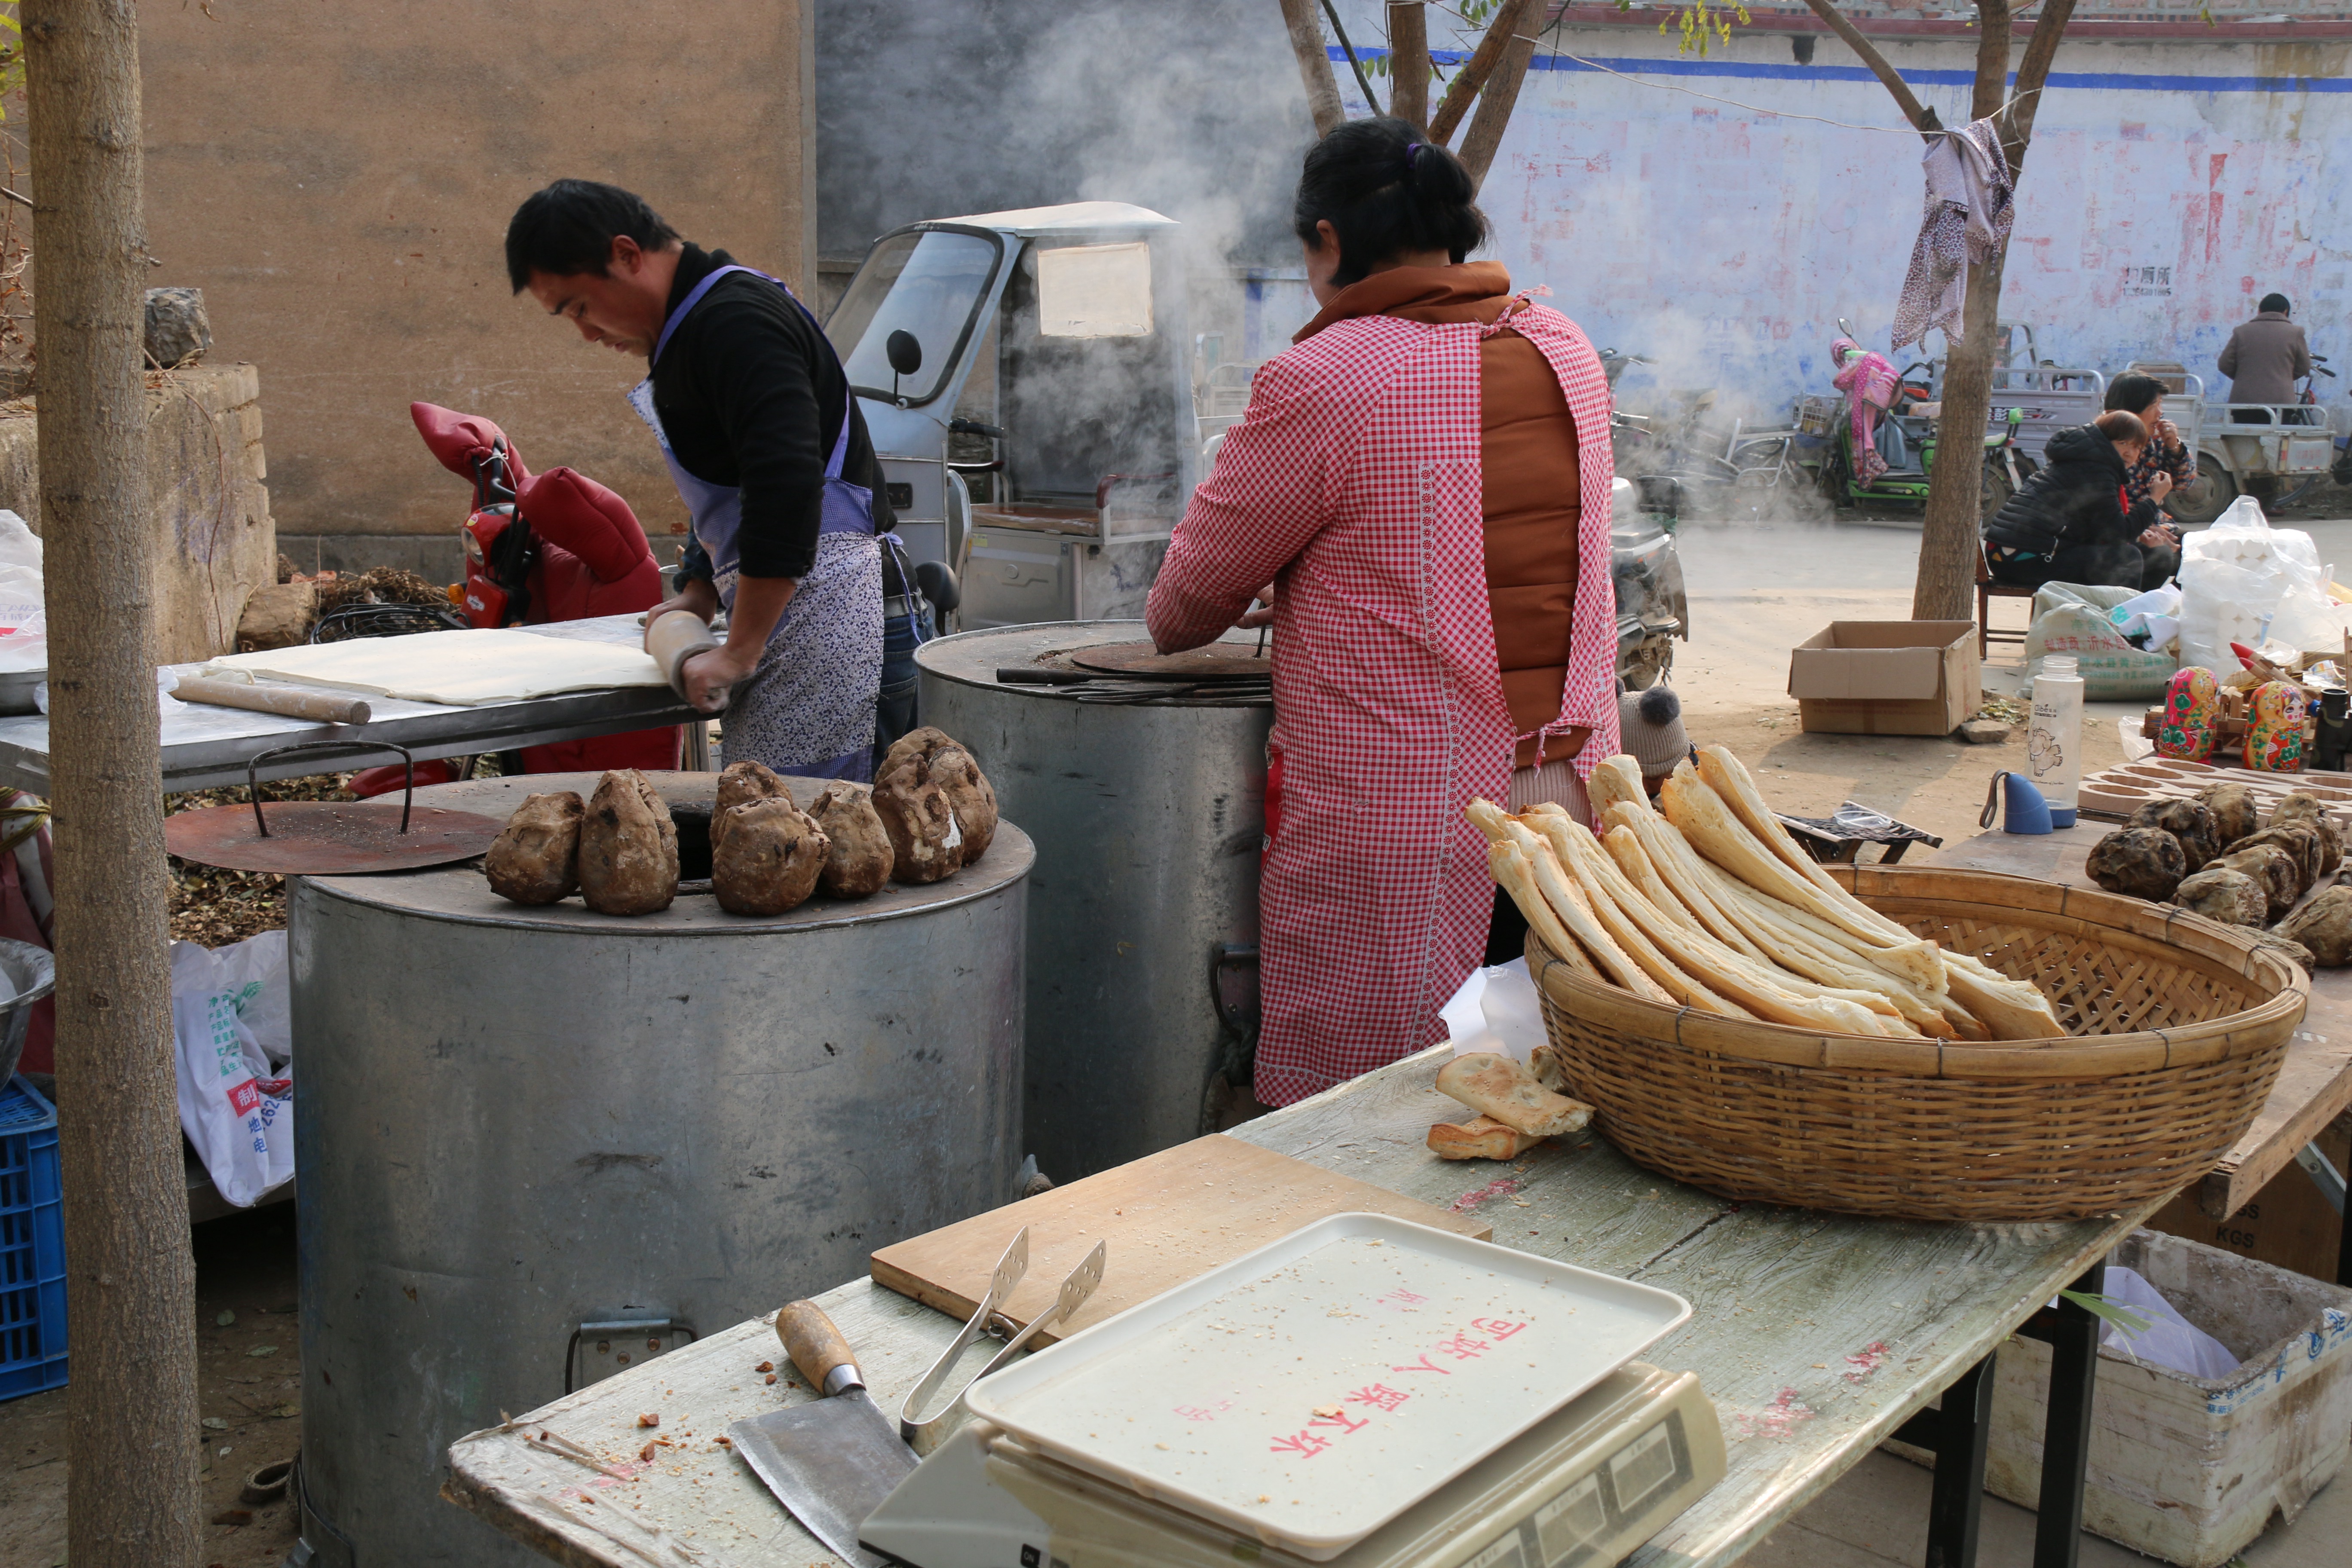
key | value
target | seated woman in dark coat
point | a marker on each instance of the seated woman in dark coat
(2069, 523)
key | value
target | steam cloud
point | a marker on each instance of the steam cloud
(928, 110)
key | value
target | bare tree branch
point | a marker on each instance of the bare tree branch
(1494, 105)
(1314, 65)
(1409, 61)
(1922, 118)
(1511, 18)
(1339, 31)
(2032, 71)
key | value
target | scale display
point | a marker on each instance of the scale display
(1599, 1519)
(1584, 1489)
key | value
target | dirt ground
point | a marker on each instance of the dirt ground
(249, 1375)
(1756, 590)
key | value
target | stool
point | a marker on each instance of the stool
(1988, 590)
(1836, 839)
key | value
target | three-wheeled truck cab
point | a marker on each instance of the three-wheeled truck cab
(1061, 332)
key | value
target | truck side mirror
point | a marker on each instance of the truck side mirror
(906, 354)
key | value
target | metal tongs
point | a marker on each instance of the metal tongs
(923, 1436)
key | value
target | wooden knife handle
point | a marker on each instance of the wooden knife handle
(293, 702)
(818, 1348)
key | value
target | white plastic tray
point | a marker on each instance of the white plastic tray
(1311, 1390)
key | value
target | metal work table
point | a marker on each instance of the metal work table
(1818, 1336)
(204, 747)
(2314, 1082)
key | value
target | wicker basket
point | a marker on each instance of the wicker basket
(2179, 1028)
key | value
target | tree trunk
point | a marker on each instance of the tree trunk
(1945, 588)
(130, 1443)
(1305, 20)
(1409, 61)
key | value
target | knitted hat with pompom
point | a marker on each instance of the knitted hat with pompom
(1650, 727)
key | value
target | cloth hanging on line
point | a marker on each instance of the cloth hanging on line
(1971, 204)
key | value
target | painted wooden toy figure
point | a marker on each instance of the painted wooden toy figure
(2192, 707)
(2275, 729)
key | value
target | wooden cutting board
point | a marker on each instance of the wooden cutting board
(1166, 1219)
(2119, 790)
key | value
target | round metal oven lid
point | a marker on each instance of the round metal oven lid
(326, 837)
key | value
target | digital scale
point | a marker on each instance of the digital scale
(1483, 1406)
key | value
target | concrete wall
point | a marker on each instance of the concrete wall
(2171, 185)
(337, 178)
(208, 506)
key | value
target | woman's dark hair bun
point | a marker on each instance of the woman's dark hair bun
(1385, 189)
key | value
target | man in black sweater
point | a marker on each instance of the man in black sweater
(2068, 522)
(756, 420)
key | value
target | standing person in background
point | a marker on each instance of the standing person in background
(1424, 478)
(2264, 358)
(2165, 453)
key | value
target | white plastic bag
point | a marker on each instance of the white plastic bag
(1496, 1010)
(2155, 614)
(2243, 580)
(2169, 1339)
(24, 615)
(234, 1033)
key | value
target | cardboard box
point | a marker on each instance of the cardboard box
(2288, 1225)
(1886, 678)
(2191, 1469)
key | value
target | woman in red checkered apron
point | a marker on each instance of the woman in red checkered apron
(1424, 477)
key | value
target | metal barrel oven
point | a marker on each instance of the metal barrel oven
(538, 1144)
(1149, 818)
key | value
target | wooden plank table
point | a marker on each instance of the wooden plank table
(2314, 1083)
(1816, 1335)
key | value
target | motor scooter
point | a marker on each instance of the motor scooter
(1916, 418)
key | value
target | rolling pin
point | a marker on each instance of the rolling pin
(289, 701)
(675, 638)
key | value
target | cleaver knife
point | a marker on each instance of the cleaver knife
(832, 1460)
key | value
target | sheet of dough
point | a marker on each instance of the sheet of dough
(461, 670)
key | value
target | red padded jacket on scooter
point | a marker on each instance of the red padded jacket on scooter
(556, 546)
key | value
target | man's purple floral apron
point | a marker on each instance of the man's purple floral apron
(808, 707)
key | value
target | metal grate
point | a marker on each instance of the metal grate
(32, 1245)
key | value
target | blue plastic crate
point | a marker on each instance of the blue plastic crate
(31, 1244)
